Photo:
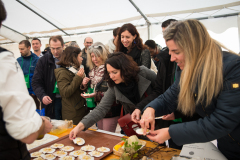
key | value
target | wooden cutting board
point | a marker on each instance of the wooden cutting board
(94, 138)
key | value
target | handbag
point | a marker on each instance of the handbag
(128, 126)
(90, 101)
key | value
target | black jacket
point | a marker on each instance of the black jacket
(220, 120)
(165, 78)
(43, 82)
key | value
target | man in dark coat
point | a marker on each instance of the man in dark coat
(43, 82)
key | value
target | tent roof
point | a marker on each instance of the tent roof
(43, 18)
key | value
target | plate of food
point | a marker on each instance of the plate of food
(95, 153)
(79, 141)
(129, 144)
(140, 131)
(77, 153)
(88, 148)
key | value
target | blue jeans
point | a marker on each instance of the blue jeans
(58, 108)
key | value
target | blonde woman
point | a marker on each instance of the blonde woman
(96, 56)
(207, 82)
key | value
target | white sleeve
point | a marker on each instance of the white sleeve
(17, 105)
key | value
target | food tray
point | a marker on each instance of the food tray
(96, 139)
(118, 153)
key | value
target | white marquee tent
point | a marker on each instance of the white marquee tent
(77, 19)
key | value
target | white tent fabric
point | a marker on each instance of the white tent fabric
(77, 19)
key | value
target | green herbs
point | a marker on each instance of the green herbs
(130, 150)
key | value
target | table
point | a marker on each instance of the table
(165, 153)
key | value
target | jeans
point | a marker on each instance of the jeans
(58, 108)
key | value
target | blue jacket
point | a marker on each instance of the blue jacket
(24, 62)
(221, 119)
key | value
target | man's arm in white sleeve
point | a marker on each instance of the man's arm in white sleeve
(18, 107)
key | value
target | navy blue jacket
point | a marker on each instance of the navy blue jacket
(24, 62)
(220, 120)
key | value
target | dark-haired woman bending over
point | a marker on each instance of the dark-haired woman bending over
(127, 84)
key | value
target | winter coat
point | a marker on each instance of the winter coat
(145, 59)
(220, 120)
(73, 107)
(43, 82)
(145, 84)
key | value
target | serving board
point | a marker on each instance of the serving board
(94, 138)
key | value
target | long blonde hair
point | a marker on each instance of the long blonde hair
(99, 50)
(203, 64)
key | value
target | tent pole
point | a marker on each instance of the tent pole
(41, 16)
(15, 31)
(238, 22)
(146, 19)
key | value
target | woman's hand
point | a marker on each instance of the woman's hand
(85, 81)
(160, 135)
(136, 116)
(85, 95)
(80, 73)
(76, 130)
(148, 120)
(169, 117)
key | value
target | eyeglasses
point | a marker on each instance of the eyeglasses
(89, 42)
(95, 47)
(57, 49)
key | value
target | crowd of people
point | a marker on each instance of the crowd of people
(192, 83)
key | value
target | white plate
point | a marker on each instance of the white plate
(79, 141)
(57, 145)
(77, 153)
(85, 157)
(66, 158)
(67, 148)
(103, 149)
(60, 153)
(95, 153)
(88, 148)
(47, 150)
(38, 158)
(140, 131)
(48, 156)
(36, 154)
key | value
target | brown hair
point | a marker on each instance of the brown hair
(3, 13)
(26, 43)
(131, 29)
(56, 38)
(36, 39)
(69, 57)
(127, 66)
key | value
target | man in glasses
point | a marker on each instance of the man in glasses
(88, 41)
(44, 81)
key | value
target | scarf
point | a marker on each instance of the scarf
(130, 91)
(135, 53)
(96, 75)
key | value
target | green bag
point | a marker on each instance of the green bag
(90, 101)
(56, 90)
(26, 77)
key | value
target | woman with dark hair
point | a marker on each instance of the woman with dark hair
(69, 78)
(127, 84)
(130, 43)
